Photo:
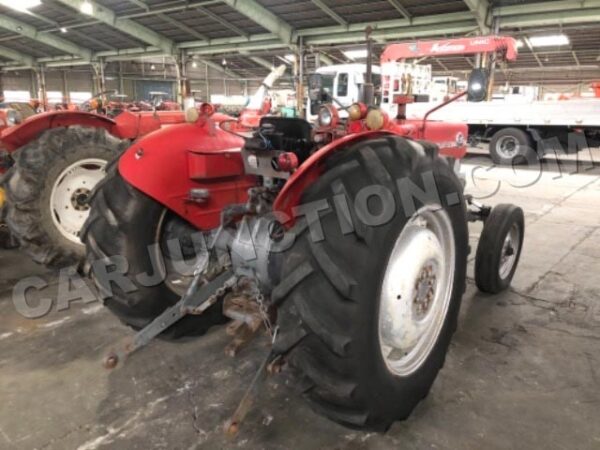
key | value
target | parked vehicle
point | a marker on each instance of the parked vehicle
(348, 242)
(55, 159)
(343, 82)
(524, 131)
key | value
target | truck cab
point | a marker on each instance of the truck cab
(344, 83)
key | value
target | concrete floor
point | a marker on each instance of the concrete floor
(523, 370)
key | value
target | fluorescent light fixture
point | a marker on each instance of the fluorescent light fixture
(87, 8)
(356, 54)
(194, 64)
(63, 30)
(549, 40)
(20, 5)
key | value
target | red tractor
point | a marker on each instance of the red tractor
(349, 243)
(53, 160)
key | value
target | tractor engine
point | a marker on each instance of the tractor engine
(275, 150)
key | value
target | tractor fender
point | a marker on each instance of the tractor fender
(291, 194)
(19, 135)
(193, 169)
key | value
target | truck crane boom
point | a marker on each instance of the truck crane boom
(504, 46)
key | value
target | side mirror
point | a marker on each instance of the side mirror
(478, 85)
(315, 87)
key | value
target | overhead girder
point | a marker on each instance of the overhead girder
(19, 57)
(480, 10)
(263, 17)
(182, 26)
(24, 29)
(281, 35)
(400, 8)
(330, 12)
(126, 26)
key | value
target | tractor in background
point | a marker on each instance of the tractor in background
(347, 242)
(53, 160)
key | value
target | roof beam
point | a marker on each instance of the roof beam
(400, 8)
(75, 32)
(552, 6)
(222, 21)
(480, 9)
(330, 12)
(405, 32)
(530, 47)
(183, 27)
(230, 73)
(260, 61)
(263, 17)
(548, 13)
(141, 4)
(24, 29)
(442, 65)
(19, 57)
(325, 59)
(126, 26)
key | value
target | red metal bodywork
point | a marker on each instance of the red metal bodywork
(167, 164)
(460, 46)
(126, 125)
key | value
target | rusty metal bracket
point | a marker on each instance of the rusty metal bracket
(196, 300)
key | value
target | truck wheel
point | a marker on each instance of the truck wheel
(48, 189)
(126, 223)
(499, 248)
(510, 146)
(366, 317)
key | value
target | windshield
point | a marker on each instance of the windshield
(328, 82)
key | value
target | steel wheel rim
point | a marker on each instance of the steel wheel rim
(416, 290)
(507, 146)
(69, 199)
(177, 274)
(508, 255)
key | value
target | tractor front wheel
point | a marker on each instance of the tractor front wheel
(368, 309)
(48, 190)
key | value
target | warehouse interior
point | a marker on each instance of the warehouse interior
(126, 125)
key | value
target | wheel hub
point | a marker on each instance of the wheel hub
(80, 199)
(416, 290)
(508, 146)
(70, 196)
(424, 290)
(508, 256)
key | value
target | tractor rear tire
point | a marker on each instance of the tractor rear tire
(31, 187)
(331, 291)
(127, 223)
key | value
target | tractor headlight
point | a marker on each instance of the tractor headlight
(192, 115)
(328, 117)
(357, 111)
(376, 119)
(325, 117)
